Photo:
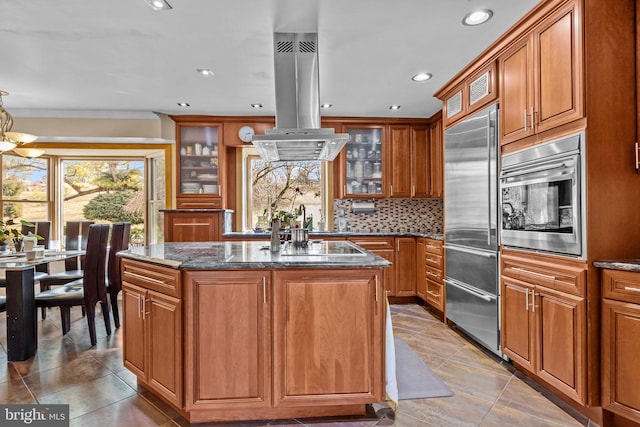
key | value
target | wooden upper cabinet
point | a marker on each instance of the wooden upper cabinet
(476, 91)
(420, 164)
(454, 105)
(361, 164)
(200, 153)
(541, 81)
(436, 159)
(558, 65)
(516, 87)
(400, 185)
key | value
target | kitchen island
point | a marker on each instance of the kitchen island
(232, 331)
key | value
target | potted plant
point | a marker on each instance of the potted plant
(8, 233)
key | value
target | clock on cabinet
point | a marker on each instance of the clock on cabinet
(246, 133)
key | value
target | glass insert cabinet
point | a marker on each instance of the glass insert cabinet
(363, 163)
(198, 184)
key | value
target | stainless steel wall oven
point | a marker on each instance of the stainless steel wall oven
(541, 193)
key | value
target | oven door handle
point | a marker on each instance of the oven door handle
(525, 171)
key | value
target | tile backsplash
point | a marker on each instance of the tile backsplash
(417, 215)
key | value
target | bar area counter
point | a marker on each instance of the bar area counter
(232, 331)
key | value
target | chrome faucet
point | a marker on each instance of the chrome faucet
(303, 209)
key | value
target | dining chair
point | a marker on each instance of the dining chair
(75, 239)
(119, 241)
(41, 228)
(87, 291)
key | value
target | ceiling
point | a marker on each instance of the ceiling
(75, 58)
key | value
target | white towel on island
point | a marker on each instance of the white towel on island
(390, 364)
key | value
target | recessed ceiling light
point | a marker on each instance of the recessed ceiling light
(159, 4)
(205, 72)
(394, 107)
(421, 77)
(326, 105)
(256, 105)
(183, 104)
(477, 17)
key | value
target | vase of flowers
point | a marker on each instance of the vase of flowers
(10, 234)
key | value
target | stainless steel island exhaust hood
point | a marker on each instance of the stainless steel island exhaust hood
(297, 135)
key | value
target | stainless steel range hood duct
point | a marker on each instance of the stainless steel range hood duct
(297, 135)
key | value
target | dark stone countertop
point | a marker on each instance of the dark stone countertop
(348, 234)
(623, 264)
(236, 255)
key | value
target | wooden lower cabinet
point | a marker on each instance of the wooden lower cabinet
(385, 248)
(621, 344)
(196, 226)
(543, 329)
(405, 283)
(228, 364)
(430, 272)
(153, 336)
(265, 344)
(327, 330)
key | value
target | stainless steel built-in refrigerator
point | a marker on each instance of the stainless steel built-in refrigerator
(471, 226)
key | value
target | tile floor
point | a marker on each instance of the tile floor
(101, 392)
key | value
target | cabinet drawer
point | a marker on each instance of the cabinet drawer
(433, 246)
(434, 294)
(621, 285)
(162, 279)
(434, 274)
(372, 243)
(202, 202)
(560, 274)
(433, 260)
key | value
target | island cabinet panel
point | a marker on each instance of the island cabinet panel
(228, 364)
(153, 334)
(327, 337)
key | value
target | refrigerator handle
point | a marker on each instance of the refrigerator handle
(471, 251)
(486, 297)
(489, 178)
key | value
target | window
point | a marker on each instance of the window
(274, 188)
(25, 188)
(103, 190)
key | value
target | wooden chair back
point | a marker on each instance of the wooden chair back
(95, 263)
(41, 228)
(76, 237)
(119, 241)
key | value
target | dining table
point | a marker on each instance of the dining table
(22, 329)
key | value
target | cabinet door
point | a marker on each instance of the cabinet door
(421, 271)
(405, 266)
(231, 323)
(400, 171)
(516, 89)
(328, 346)
(199, 154)
(561, 341)
(436, 159)
(134, 336)
(364, 166)
(192, 227)
(163, 315)
(620, 367)
(383, 247)
(517, 332)
(558, 65)
(421, 171)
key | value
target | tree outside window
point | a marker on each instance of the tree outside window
(282, 188)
